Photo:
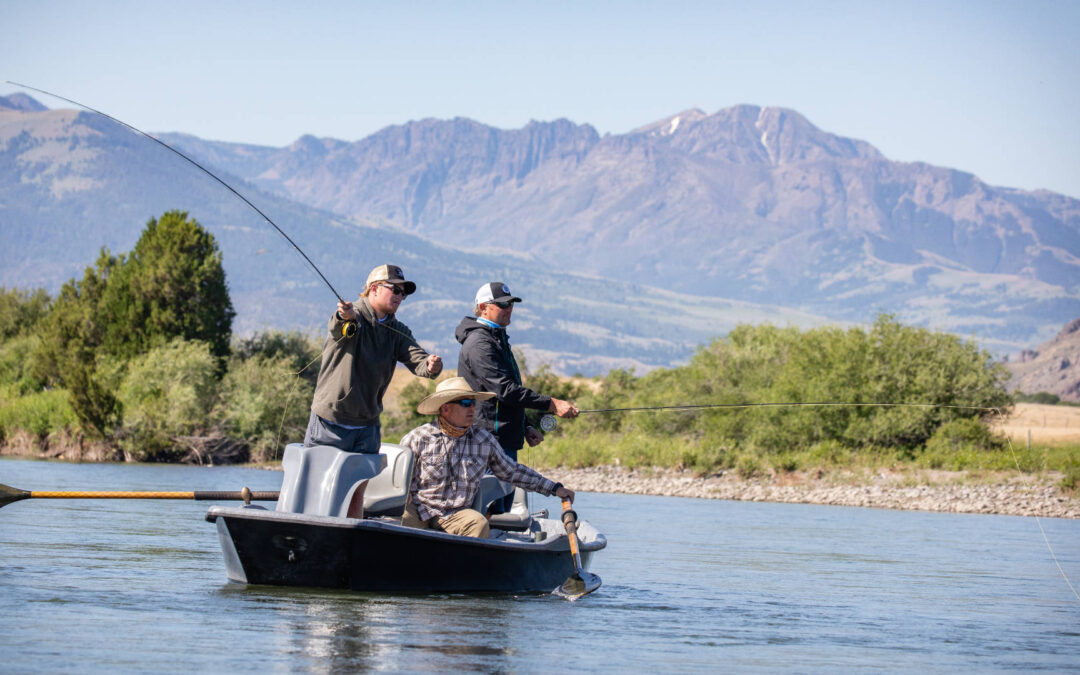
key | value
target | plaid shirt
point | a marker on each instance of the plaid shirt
(447, 472)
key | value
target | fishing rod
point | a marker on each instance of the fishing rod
(350, 327)
(202, 168)
(549, 422)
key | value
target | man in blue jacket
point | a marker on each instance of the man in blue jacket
(487, 363)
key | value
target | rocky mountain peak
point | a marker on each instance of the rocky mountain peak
(20, 101)
(1070, 328)
(788, 137)
(670, 125)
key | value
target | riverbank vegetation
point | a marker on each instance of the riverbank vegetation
(138, 357)
(887, 396)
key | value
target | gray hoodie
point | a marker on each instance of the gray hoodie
(356, 370)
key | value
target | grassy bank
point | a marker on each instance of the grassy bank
(1000, 453)
(609, 449)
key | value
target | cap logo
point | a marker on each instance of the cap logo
(505, 289)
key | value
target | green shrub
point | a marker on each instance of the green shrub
(17, 371)
(1043, 397)
(301, 353)
(887, 387)
(1071, 479)
(264, 402)
(748, 465)
(40, 413)
(167, 392)
(20, 310)
(395, 426)
(964, 434)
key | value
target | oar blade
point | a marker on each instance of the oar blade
(9, 494)
(577, 585)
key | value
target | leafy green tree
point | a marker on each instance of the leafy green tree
(20, 310)
(171, 286)
(69, 353)
(868, 371)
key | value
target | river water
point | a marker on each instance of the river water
(689, 585)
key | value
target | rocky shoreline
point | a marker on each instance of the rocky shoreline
(953, 492)
(930, 491)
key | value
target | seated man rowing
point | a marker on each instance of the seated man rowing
(451, 458)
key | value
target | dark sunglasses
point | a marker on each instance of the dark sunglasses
(503, 305)
(466, 402)
(396, 290)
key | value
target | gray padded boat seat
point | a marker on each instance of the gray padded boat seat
(386, 493)
(491, 488)
(321, 480)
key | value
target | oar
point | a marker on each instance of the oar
(580, 582)
(10, 494)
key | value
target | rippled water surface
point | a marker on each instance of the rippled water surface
(689, 585)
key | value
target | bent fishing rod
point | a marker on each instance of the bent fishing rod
(196, 165)
(350, 327)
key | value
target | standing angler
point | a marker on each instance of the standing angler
(487, 364)
(364, 345)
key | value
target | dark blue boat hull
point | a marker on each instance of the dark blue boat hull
(284, 549)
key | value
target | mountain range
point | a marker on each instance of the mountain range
(73, 182)
(630, 249)
(750, 203)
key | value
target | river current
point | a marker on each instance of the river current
(689, 585)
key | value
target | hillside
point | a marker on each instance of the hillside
(631, 249)
(1051, 367)
(751, 203)
(72, 182)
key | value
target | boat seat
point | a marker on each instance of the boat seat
(491, 488)
(386, 493)
(322, 480)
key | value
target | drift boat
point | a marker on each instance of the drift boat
(337, 525)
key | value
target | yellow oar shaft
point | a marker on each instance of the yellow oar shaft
(9, 494)
(55, 494)
(570, 523)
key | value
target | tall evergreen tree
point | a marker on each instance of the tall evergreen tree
(71, 337)
(172, 285)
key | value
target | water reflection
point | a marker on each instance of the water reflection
(343, 631)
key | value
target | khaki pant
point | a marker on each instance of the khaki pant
(466, 522)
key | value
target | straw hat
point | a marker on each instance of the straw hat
(448, 390)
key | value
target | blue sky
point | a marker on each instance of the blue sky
(988, 87)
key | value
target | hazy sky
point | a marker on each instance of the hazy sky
(983, 86)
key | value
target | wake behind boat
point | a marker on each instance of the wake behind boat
(337, 525)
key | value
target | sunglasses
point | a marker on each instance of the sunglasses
(396, 290)
(503, 305)
(466, 402)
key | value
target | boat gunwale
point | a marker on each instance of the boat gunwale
(557, 543)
